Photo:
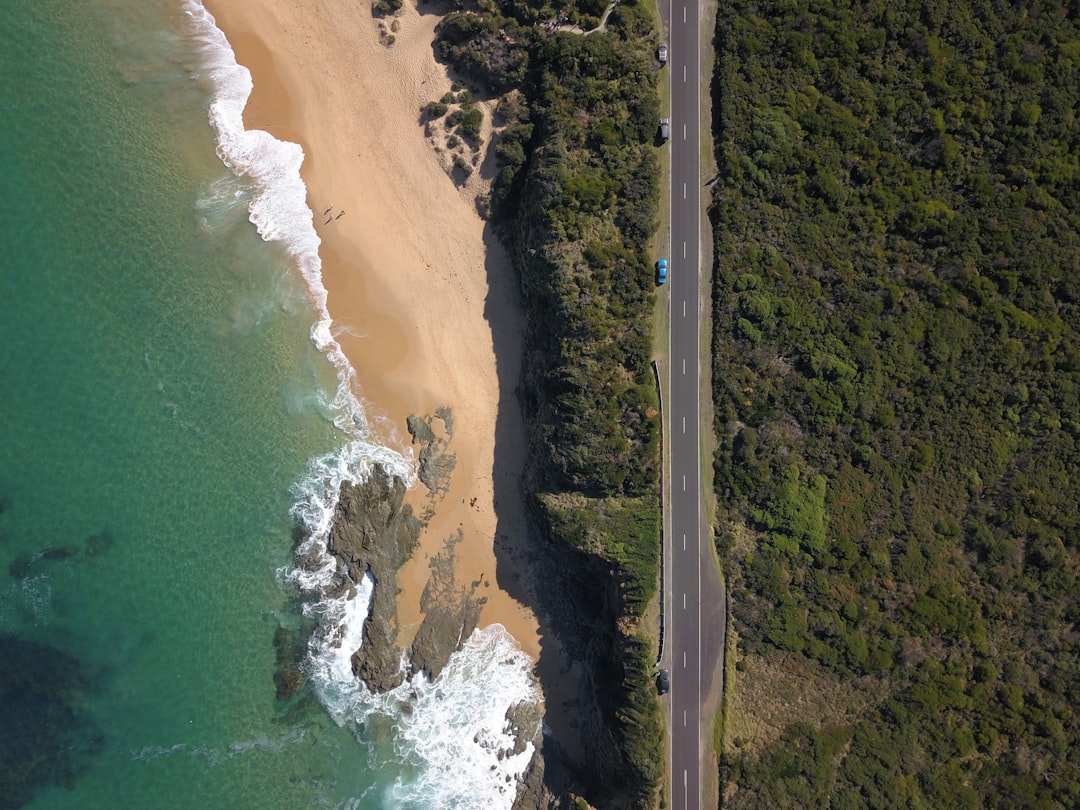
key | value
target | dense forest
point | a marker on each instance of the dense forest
(575, 198)
(897, 387)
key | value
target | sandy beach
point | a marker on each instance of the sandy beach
(419, 291)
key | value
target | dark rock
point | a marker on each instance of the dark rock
(447, 416)
(378, 661)
(435, 469)
(375, 532)
(436, 464)
(533, 792)
(59, 553)
(420, 430)
(287, 682)
(20, 567)
(45, 737)
(289, 678)
(451, 613)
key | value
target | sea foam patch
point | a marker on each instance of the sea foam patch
(457, 731)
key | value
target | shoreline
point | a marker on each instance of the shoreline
(415, 289)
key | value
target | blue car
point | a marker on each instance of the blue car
(661, 271)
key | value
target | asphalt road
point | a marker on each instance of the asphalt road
(692, 651)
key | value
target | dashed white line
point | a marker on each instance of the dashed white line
(684, 132)
(684, 250)
(684, 600)
(684, 191)
(684, 371)
(684, 718)
(684, 423)
(684, 659)
(684, 542)
(684, 308)
(684, 483)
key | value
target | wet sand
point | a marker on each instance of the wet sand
(417, 288)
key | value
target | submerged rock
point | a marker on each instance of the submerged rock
(100, 543)
(45, 738)
(20, 566)
(59, 553)
(289, 678)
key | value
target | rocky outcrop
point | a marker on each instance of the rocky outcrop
(533, 792)
(375, 532)
(450, 614)
(436, 464)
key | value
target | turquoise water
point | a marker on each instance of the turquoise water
(162, 395)
(174, 411)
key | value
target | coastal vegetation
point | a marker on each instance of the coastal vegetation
(575, 198)
(897, 387)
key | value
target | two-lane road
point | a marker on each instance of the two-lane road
(692, 651)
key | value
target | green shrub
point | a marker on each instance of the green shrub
(385, 7)
(462, 166)
(897, 231)
(471, 120)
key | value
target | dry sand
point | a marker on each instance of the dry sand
(418, 289)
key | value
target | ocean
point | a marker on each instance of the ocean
(175, 414)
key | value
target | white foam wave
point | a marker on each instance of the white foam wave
(32, 593)
(260, 744)
(452, 746)
(457, 732)
(278, 206)
(37, 595)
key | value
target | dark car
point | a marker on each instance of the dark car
(665, 130)
(663, 682)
